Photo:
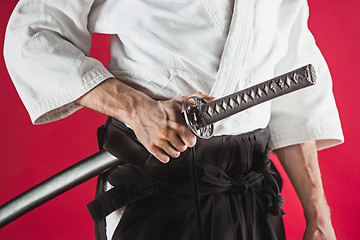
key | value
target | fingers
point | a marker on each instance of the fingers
(181, 132)
(159, 154)
(170, 143)
(176, 142)
(169, 149)
(165, 134)
(177, 139)
(163, 150)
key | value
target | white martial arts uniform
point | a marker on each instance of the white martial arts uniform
(172, 48)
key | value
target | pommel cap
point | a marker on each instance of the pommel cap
(311, 74)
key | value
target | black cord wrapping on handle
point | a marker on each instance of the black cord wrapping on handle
(195, 187)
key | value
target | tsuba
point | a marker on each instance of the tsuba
(194, 118)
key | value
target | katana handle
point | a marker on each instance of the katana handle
(200, 115)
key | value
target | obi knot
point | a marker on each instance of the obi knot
(238, 185)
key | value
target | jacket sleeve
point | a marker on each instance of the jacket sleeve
(311, 113)
(46, 51)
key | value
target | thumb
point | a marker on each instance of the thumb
(201, 95)
(206, 97)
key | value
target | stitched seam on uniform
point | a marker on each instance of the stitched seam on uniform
(50, 107)
(329, 132)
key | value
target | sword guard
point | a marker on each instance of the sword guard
(194, 118)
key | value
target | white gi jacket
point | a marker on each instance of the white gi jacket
(169, 48)
(173, 48)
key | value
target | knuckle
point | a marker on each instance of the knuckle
(158, 142)
(180, 146)
(188, 138)
(176, 126)
(153, 149)
(185, 128)
(163, 133)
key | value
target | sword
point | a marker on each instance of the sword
(56, 185)
(199, 117)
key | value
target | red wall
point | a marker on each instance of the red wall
(30, 154)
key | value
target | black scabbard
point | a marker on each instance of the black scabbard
(56, 185)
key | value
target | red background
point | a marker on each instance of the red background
(29, 154)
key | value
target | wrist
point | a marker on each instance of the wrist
(130, 104)
(317, 212)
(116, 99)
(125, 101)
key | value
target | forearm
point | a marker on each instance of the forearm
(301, 165)
(113, 98)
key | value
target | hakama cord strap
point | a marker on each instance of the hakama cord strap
(209, 179)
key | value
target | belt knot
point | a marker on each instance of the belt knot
(238, 185)
(241, 183)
